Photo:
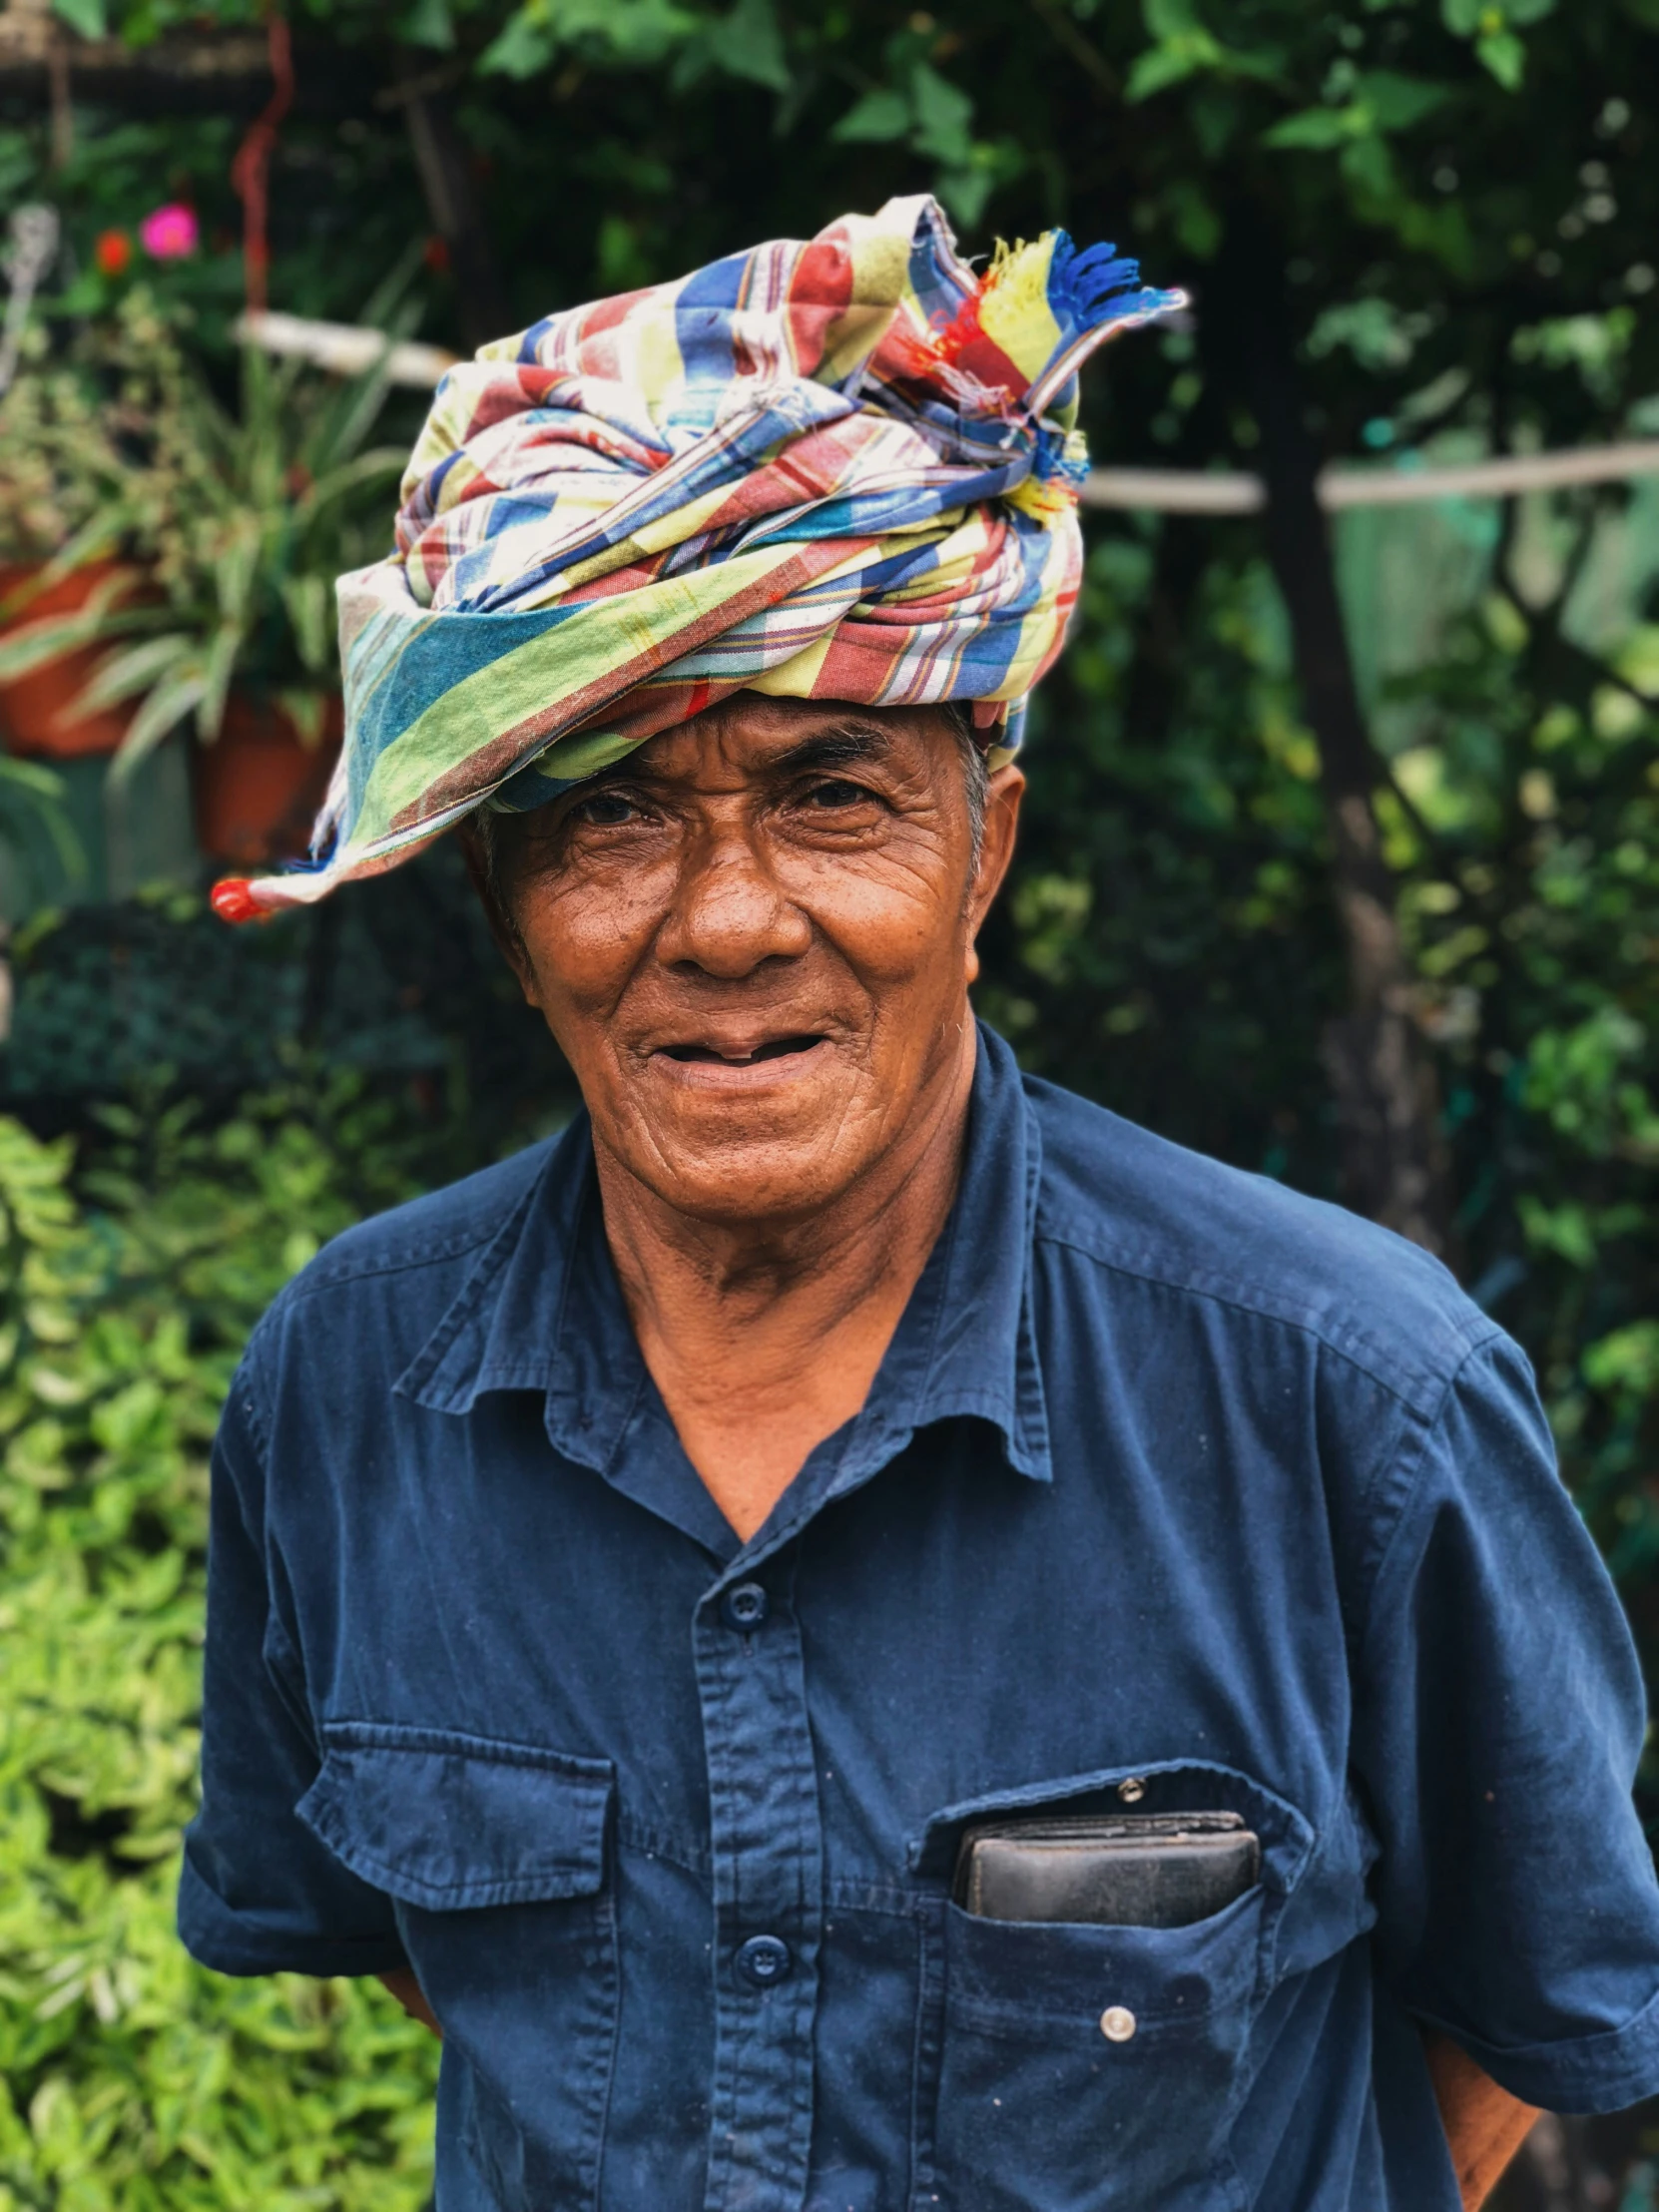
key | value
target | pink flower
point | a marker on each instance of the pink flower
(169, 234)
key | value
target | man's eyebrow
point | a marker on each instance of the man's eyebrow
(847, 744)
(851, 745)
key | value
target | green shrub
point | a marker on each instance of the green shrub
(129, 2077)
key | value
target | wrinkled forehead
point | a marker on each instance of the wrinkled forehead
(749, 736)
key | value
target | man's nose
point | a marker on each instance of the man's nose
(729, 912)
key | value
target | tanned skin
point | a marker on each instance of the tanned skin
(1484, 2125)
(753, 940)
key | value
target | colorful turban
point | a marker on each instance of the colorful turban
(841, 469)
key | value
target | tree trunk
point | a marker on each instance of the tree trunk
(1380, 1073)
(452, 204)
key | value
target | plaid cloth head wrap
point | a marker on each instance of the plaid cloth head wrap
(841, 469)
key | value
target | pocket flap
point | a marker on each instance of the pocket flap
(450, 1820)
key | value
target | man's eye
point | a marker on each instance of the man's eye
(604, 810)
(837, 792)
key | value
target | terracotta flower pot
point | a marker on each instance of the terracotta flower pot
(37, 717)
(259, 785)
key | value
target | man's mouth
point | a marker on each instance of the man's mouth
(709, 1055)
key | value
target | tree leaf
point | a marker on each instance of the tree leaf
(1214, 112)
(126, 674)
(747, 42)
(879, 115)
(166, 707)
(1505, 56)
(429, 23)
(1394, 102)
(1187, 48)
(1159, 68)
(309, 603)
(35, 795)
(308, 710)
(519, 50)
(224, 651)
(1265, 63)
(89, 17)
(943, 114)
(1316, 130)
(33, 643)
(1196, 223)
(1368, 166)
(380, 464)
(965, 190)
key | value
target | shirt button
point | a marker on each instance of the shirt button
(1117, 2023)
(765, 1961)
(746, 1607)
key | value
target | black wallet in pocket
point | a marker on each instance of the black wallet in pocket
(1141, 1870)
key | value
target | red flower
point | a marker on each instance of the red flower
(113, 252)
(436, 254)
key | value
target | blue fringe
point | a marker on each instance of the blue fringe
(1084, 281)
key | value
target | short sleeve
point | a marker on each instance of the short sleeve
(1499, 1720)
(259, 1892)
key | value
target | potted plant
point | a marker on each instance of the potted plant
(65, 466)
(241, 519)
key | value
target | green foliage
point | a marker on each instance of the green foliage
(130, 2078)
(1164, 947)
(32, 815)
(89, 17)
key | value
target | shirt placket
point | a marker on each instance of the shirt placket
(767, 1855)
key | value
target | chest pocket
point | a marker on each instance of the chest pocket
(1099, 2067)
(496, 1857)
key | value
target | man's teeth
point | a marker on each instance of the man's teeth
(772, 1049)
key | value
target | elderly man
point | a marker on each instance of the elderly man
(854, 1632)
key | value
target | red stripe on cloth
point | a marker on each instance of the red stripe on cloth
(605, 314)
(812, 467)
(508, 392)
(613, 586)
(820, 295)
(846, 670)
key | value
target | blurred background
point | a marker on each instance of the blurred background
(1340, 857)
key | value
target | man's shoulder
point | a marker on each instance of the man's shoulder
(381, 1285)
(1128, 1200)
(437, 1230)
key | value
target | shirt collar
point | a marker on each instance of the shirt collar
(542, 1311)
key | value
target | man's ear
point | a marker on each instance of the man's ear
(502, 926)
(1004, 794)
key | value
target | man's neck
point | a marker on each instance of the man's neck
(764, 1336)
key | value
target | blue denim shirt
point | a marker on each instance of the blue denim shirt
(1173, 1488)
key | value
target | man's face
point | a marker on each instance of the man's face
(753, 940)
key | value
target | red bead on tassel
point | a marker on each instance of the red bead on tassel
(233, 901)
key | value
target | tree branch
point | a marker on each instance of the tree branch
(1083, 51)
